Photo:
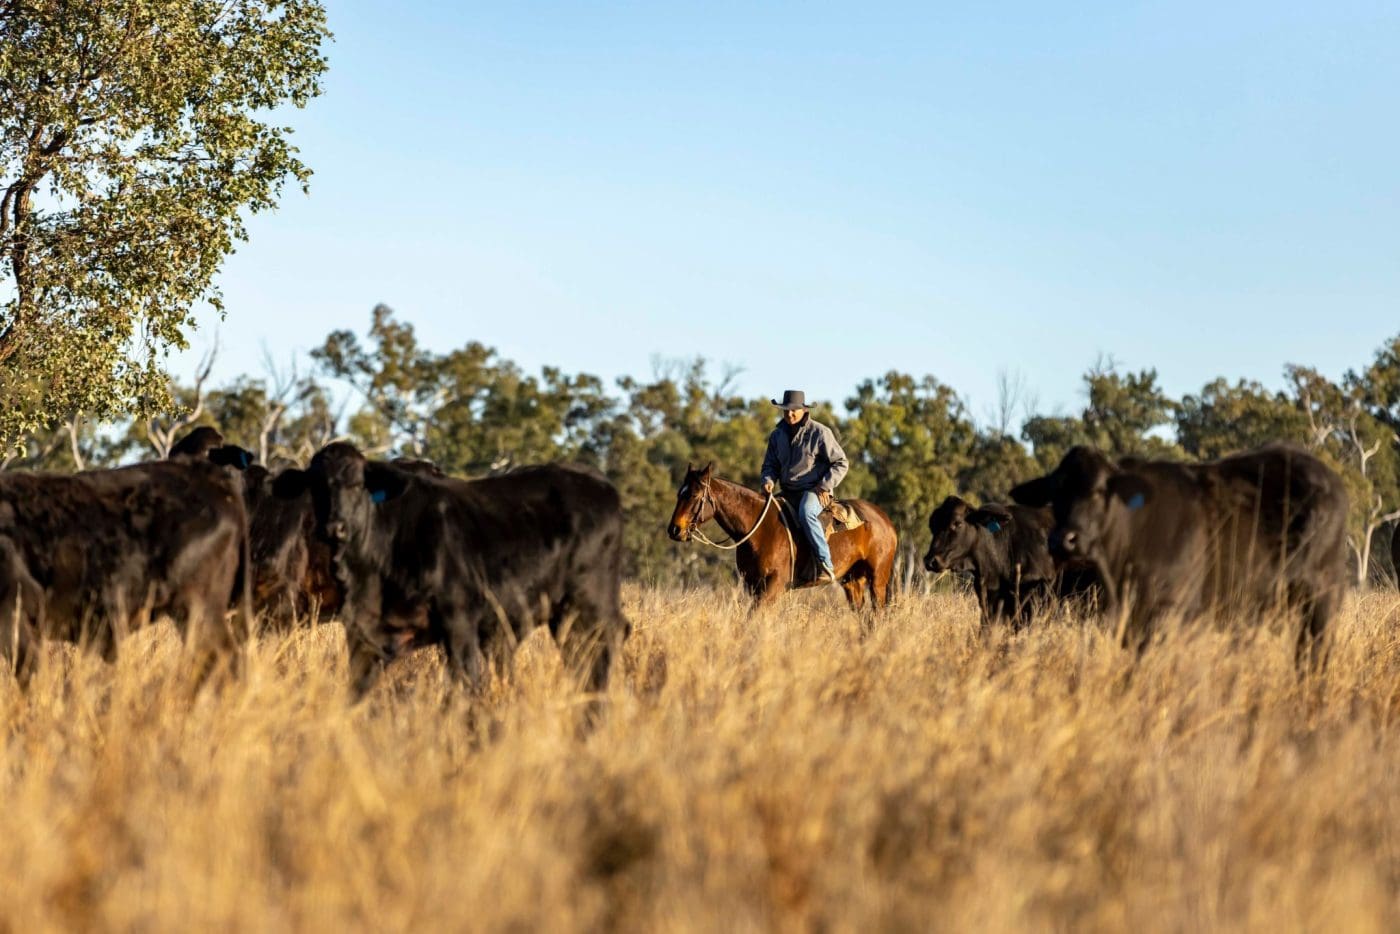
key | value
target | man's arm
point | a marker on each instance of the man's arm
(772, 468)
(836, 457)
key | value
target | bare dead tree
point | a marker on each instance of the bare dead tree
(728, 380)
(323, 430)
(1376, 516)
(161, 435)
(669, 368)
(1319, 429)
(1012, 393)
(283, 387)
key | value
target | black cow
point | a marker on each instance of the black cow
(293, 577)
(291, 567)
(88, 557)
(292, 574)
(1006, 548)
(471, 566)
(1247, 533)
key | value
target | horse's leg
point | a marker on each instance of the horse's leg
(855, 591)
(773, 587)
(882, 574)
(878, 597)
(765, 591)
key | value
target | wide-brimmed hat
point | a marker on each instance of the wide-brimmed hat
(792, 399)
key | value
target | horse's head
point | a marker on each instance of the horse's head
(695, 505)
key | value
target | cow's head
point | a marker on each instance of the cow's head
(1087, 493)
(955, 525)
(207, 442)
(198, 443)
(695, 504)
(345, 488)
(231, 455)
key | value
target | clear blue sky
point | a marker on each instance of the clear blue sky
(820, 195)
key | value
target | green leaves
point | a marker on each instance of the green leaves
(908, 439)
(133, 144)
(1226, 418)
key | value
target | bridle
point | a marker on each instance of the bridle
(697, 512)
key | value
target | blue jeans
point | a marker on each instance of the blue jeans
(809, 508)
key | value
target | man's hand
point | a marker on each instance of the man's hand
(824, 497)
(768, 487)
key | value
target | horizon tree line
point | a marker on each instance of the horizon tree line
(912, 439)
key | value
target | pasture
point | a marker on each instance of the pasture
(780, 772)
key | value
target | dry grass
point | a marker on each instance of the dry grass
(775, 773)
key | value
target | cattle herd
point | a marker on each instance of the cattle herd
(1148, 540)
(405, 556)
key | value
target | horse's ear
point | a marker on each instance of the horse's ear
(709, 468)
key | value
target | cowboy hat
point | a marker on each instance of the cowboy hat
(792, 399)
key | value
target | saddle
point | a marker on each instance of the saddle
(839, 516)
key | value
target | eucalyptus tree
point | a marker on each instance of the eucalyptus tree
(136, 137)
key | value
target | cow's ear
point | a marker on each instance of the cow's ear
(1037, 492)
(1130, 489)
(992, 518)
(291, 483)
(384, 482)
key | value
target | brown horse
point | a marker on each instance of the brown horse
(863, 557)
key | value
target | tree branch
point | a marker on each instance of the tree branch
(73, 427)
(162, 440)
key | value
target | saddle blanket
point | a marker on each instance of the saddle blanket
(840, 516)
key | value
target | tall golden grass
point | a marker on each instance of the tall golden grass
(781, 772)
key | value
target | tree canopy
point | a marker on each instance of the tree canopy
(911, 439)
(135, 138)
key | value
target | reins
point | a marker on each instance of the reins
(699, 536)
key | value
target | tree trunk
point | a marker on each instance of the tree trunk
(907, 575)
(1363, 557)
(74, 427)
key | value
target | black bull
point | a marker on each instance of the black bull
(471, 566)
(1249, 533)
(292, 574)
(1007, 551)
(88, 557)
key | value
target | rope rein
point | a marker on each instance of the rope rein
(699, 536)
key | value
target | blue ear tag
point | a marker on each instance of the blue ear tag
(994, 526)
(378, 496)
(1136, 501)
(245, 459)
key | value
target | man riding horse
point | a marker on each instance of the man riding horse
(805, 458)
